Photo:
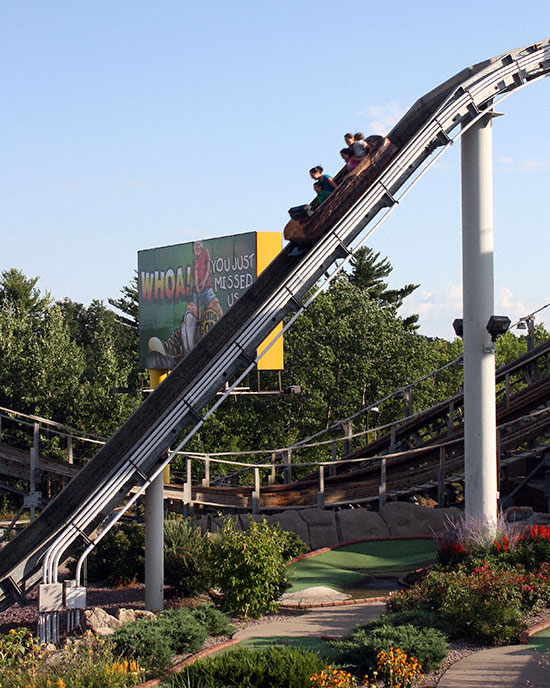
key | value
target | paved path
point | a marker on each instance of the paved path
(513, 666)
(500, 667)
(317, 622)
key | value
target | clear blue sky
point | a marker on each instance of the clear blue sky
(133, 124)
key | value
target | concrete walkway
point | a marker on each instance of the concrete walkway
(330, 621)
(513, 666)
(500, 667)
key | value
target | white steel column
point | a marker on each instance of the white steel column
(478, 303)
(154, 545)
(154, 531)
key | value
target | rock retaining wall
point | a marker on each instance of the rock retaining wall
(325, 528)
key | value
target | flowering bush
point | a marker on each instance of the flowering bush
(488, 601)
(398, 670)
(361, 647)
(336, 678)
(88, 661)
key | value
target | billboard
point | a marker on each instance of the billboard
(186, 288)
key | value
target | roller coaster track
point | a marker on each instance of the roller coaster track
(412, 450)
(133, 456)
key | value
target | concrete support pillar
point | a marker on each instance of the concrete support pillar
(154, 531)
(478, 303)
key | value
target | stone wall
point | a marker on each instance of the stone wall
(325, 528)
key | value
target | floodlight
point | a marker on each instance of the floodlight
(497, 326)
(458, 326)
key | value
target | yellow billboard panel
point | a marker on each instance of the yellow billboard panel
(268, 246)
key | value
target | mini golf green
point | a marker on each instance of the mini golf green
(540, 641)
(345, 567)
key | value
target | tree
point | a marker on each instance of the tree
(21, 293)
(369, 272)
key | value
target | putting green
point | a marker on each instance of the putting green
(306, 642)
(344, 567)
(540, 641)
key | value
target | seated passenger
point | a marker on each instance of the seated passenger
(324, 185)
(349, 159)
(359, 147)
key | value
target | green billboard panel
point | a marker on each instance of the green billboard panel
(185, 289)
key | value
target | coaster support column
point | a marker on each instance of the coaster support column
(478, 306)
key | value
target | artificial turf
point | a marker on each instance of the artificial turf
(346, 566)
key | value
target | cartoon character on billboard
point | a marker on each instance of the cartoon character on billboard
(201, 313)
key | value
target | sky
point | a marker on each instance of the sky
(130, 124)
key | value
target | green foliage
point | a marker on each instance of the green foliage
(86, 664)
(185, 557)
(17, 647)
(360, 648)
(415, 617)
(186, 632)
(144, 640)
(276, 667)
(293, 545)
(175, 631)
(118, 559)
(488, 602)
(215, 621)
(248, 567)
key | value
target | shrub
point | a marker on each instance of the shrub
(213, 620)
(275, 667)
(248, 567)
(145, 641)
(419, 618)
(185, 554)
(120, 555)
(397, 670)
(90, 662)
(185, 632)
(360, 648)
(487, 602)
(293, 545)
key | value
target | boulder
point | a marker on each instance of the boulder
(99, 621)
(321, 526)
(404, 519)
(323, 536)
(291, 520)
(360, 524)
(128, 615)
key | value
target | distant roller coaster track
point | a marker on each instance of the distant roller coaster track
(133, 456)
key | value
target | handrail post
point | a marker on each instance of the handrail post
(272, 479)
(256, 492)
(34, 455)
(287, 458)
(187, 493)
(348, 444)
(206, 479)
(382, 487)
(321, 493)
(441, 478)
(70, 458)
(332, 469)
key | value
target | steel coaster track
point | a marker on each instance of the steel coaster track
(132, 458)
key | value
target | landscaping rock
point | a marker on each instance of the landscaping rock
(323, 536)
(99, 621)
(404, 519)
(322, 527)
(360, 524)
(292, 521)
(128, 615)
(319, 517)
